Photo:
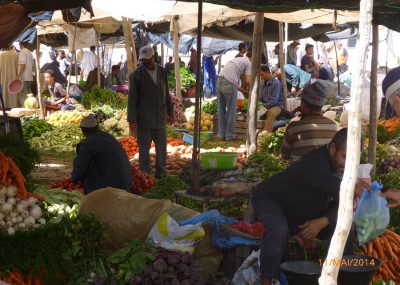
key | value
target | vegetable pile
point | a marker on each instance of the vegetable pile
(98, 96)
(18, 207)
(271, 142)
(141, 181)
(66, 183)
(255, 229)
(391, 124)
(386, 247)
(264, 165)
(187, 78)
(206, 123)
(210, 108)
(35, 127)
(61, 139)
(130, 145)
(62, 118)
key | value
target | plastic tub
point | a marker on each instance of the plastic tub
(302, 272)
(189, 139)
(206, 136)
(218, 160)
(357, 269)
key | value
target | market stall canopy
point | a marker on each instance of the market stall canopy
(14, 15)
(212, 14)
(315, 16)
(386, 12)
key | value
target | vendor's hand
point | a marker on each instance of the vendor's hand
(392, 196)
(132, 129)
(360, 187)
(293, 91)
(311, 229)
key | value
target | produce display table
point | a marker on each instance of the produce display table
(205, 200)
(241, 125)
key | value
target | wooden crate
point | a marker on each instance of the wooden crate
(241, 126)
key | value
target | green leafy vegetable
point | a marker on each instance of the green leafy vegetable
(100, 96)
(187, 78)
(210, 108)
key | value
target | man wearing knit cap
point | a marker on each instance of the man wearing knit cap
(313, 129)
(100, 160)
(391, 90)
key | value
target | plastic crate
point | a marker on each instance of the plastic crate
(218, 160)
(189, 139)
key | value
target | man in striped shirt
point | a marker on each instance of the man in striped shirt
(313, 129)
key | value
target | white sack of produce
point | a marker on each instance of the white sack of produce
(166, 233)
(128, 216)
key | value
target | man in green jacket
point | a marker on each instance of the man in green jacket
(149, 107)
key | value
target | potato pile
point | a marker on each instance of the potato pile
(205, 125)
(171, 268)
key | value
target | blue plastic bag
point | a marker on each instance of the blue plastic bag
(372, 215)
(215, 218)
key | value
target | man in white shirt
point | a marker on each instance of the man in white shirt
(228, 81)
(24, 73)
(89, 62)
(292, 52)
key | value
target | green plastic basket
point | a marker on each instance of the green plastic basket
(206, 136)
(218, 160)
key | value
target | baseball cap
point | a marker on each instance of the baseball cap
(88, 122)
(146, 53)
(315, 93)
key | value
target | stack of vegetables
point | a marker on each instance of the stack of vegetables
(141, 181)
(391, 124)
(264, 165)
(206, 123)
(35, 127)
(130, 145)
(61, 139)
(62, 118)
(19, 208)
(66, 183)
(98, 96)
(386, 248)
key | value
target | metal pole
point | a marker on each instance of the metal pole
(282, 62)
(39, 86)
(196, 135)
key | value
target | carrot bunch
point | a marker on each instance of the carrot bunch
(17, 278)
(11, 175)
(386, 248)
(391, 124)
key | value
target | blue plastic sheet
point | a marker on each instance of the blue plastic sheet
(215, 218)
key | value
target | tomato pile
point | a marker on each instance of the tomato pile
(66, 183)
(130, 145)
(141, 181)
(256, 229)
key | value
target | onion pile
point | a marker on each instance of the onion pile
(17, 214)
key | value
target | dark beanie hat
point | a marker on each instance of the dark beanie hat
(315, 93)
(391, 82)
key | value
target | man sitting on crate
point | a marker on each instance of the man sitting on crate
(301, 201)
(271, 96)
(313, 129)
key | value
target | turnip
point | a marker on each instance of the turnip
(35, 212)
(6, 208)
(11, 231)
(11, 191)
(25, 214)
(11, 200)
(29, 221)
(20, 208)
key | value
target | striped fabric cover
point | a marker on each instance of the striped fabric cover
(307, 134)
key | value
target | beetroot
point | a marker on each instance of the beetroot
(160, 265)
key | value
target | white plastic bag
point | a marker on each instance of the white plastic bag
(166, 233)
(249, 272)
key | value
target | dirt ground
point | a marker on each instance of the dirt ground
(52, 168)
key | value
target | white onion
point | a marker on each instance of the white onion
(11, 231)
(2, 200)
(25, 214)
(6, 207)
(21, 225)
(2, 223)
(11, 191)
(42, 221)
(1, 216)
(35, 212)
(9, 223)
(19, 219)
(13, 214)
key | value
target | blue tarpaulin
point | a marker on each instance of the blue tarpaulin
(185, 41)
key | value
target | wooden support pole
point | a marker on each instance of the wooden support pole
(162, 55)
(175, 39)
(38, 82)
(282, 64)
(98, 59)
(345, 215)
(132, 45)
(197, 111)
(251, 142)
(373, 98)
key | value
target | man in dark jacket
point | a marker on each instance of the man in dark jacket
(100, 161)
(303, 200)
(149, 106)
